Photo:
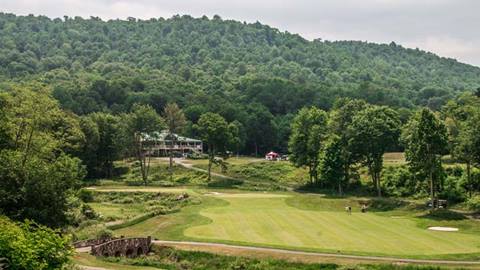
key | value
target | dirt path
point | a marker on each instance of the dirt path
(180, 162)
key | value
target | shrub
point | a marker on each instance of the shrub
(88, 212)
(398, 181)
(104, 233)
(385, 204)
(474, 203)
(452, 192)
(444, 214)
(32, 247)
(86, 195)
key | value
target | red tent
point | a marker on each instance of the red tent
(271, 156)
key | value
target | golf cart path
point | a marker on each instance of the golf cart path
(234, 248)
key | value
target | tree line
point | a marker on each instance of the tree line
(354, 134)
(250, 73)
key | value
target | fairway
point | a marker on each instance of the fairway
(268, 220)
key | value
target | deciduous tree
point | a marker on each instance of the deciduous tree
(213, 130)
(175, 121)
(425, 139)
(372, 132)
(143, 125)
(309, 129)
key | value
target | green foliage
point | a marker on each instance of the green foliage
(28, 246)
(219, 66)
(462, 117)
(175, 122)
(86, 195)
(169, 258)
(104, 233)
(142, 124)
(38, 174)
(103, 143)
(474, 203)
(398, 181)
(309, 130)
(340, 120)
(129, 208)
(215, 133)
(172, 259)
(425, 139)
(41, 191)
(373, 131)
(331, 165)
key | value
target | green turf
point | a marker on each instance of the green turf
(112, 211)
(266, 219)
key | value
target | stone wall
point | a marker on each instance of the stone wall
(92, 242)
(127, 247)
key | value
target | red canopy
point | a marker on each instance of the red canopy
(272, 154)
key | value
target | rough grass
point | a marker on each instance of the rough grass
(394, 158)
(263, 175)
(117, 209)
(171, 258)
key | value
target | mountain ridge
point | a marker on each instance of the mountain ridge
(224, 57)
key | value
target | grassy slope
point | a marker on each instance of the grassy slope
(266, 219)
(85, 259)
(259, 174)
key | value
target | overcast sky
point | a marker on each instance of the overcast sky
(449, 28)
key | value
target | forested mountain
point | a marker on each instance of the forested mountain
(247, 72)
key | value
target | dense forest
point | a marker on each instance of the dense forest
(251, 73)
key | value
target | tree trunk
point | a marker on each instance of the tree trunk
(141, 158)
(27, 146)
(310, 174)
(256, 148)
(170, 165)
(340, 188)
(432, 190)
(211, 156)
(469, 179)
(379, 187)
(209, 168)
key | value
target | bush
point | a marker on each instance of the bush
(398, 181)
(452, 192)
(385, 204)
(88, 212)
(32, 247)
(104, 233)
(474, 203)
(86, 195)
(444, 214)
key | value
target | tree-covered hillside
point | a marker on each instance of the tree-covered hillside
(251, 73)
(226, 56)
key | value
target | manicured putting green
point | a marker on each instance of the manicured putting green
(265, 219)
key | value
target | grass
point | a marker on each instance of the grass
(394, 159)
(171, 258)
(119, 208)
(311, 222)
(85, 259)
(259, 174)
(112, 212)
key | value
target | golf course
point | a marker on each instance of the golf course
(310, 222)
